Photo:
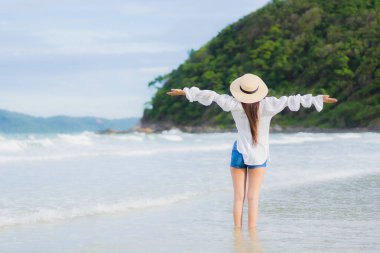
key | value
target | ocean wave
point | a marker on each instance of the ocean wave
(89, 144)
(171, 137)
(83, 139)
(16, 145)
(299, 140)
(302, 137)
(348, 135)
(315, 178)
(29, 142)
(174, 131)
(129, 137)
(115, 152)
(10, 146)
(44, 215)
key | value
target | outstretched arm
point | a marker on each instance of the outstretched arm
(206, 97)
(273, 105)
(176, 92)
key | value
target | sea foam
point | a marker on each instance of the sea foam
(44, 215)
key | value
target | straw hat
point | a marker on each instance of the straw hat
(248, 88)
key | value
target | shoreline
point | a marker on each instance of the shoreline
(159, 128)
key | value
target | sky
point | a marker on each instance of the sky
(95, 58)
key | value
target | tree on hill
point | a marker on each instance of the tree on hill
(296, 46)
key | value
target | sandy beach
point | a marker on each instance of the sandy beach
(172, 192)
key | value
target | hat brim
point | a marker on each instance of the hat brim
(248, 98)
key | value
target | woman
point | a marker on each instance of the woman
(252, 112)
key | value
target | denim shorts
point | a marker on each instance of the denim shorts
(237, 160)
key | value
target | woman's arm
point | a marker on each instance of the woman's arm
(273, 105)
(206, 97)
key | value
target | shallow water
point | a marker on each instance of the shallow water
(172, 192)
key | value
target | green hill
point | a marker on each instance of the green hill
(12, 122)
(296, 46)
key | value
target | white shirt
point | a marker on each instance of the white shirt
(269, 106)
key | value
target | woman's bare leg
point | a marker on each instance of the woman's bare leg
(254, 243)
(239, 182)
(255, 178)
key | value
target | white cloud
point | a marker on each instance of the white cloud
(96, 57)
(156, 70)
(89, 42)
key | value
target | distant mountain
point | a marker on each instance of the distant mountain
(12, 122)
(297, 46)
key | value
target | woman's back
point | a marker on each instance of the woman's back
(269, 107)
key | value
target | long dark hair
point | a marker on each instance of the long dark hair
(252, 111)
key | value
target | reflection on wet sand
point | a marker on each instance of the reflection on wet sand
(251, 244)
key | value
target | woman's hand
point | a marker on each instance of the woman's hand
(176, 92)
(327, 99)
